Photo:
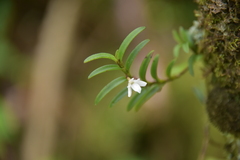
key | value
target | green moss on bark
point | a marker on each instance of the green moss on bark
(220, 20)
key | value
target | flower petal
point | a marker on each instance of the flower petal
(141, 83)
(131, 81)
(136, 87)
(129, 91)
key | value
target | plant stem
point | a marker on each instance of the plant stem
(171, 78)
(128, 74)
(176, 76)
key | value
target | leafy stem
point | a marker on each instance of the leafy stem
(176, 76)
(161, 82)
(184, 43)
(123, 68)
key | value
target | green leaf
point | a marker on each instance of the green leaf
(147, 95)
(185, 47)
(134, 53)
(191, 62)
(169, 68)
(116, 52)
(144, 66)
(176, 50)
(105, 68)
(108, 88)
(127, 41)
(200, 95)
(136, 98)
(199, 57)
(177, 69)
(154, 67)
(99, 56)
(176, 37)
(119, 96)
(183, 34)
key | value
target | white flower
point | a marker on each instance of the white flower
(135, 85)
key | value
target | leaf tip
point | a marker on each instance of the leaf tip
(129, 108)
(96, 102)
(191, 73)
(142, 27)
(85, 61)
(150, 54)
(89, 77)
(137, 109)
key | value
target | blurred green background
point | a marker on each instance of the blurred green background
(170, 126)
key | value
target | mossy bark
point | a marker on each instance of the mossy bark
(220, 22)
(220, 45)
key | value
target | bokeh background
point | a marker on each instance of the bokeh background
(47, 109)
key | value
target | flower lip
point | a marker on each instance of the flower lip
(135, 85)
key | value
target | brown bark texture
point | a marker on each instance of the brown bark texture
(220, 24)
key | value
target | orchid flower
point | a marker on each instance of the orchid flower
(135, 85)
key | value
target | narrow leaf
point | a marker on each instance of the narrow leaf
(200, 95)
(147, 95)
(127, 41)
(134, 53)
(116, 52)
(144, 66)
(191, 62)
(169, 68)
(99, 56)
(118, 97)
(199, 57)
(105, 68)
(108, 88)
(176, 50)
(183, 34)
(136, 98)
(190, 39)
(154, 67)
(185, 47)
(176, 37)
(177, 69)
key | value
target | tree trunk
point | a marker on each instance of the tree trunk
(220, 25)
(48, 75)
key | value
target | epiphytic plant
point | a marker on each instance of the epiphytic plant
(185, 42)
